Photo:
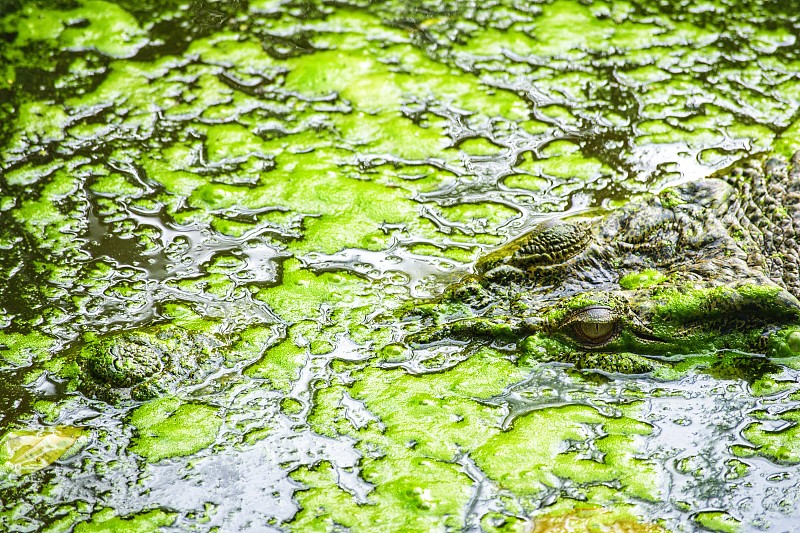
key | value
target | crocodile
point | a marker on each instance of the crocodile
(703, 267)
(138, 364)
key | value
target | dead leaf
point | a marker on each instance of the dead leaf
(586, 520)
(28, 450)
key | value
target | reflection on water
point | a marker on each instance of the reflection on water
(283, 175)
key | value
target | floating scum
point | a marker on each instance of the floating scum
(237, 240)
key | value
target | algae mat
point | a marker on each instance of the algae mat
(235, 195)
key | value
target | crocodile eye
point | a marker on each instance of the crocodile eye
(593, 326)
(594, 331)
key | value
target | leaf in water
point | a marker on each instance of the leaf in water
(590, 519)
(28, 450)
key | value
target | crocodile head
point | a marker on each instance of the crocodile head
(705, 267)
(140, 363)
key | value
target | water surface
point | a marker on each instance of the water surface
(279, 175)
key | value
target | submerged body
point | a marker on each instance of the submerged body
(702, 267)
(139, 364)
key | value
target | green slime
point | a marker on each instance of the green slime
(340, 140)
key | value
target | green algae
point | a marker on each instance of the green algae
(280, 365)
(345, 143)
(530, 456)
(462, 255)
(410, 452)
(784, 343)
(688, 304)
(789, 139)
(140, 363)
(480, 215)
(526, 181)
(779, 445)
(303, 292)
(169, 427)
(415, 495)
(645, 278)
(19, 348)
(106, 520)
(718, 521)
(479, 147)
(111, 30)
(650, 319)
(563, 165)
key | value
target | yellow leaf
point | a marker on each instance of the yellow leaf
(28, 450)
(590, 520)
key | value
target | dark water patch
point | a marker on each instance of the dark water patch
(14, 396)
(22, 294)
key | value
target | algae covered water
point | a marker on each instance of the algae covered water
(240, 194)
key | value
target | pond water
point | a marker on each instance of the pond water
(254, 187)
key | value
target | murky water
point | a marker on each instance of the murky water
(278, 176)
